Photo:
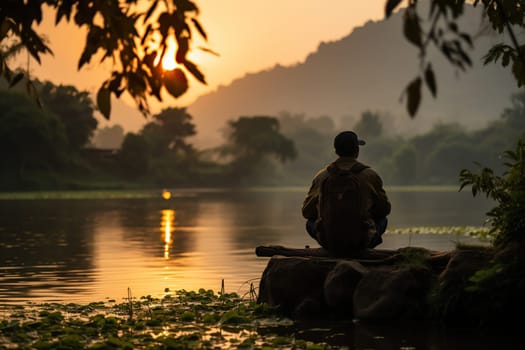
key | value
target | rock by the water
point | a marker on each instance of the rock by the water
(340, 283)
(392, 293)
(289, 281)
(380, 286)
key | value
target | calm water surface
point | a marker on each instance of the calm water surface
(83, 250)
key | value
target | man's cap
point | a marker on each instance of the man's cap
(347, 142)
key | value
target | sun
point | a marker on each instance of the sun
(168, 61)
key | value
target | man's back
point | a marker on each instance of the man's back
(343, 210)
(358, 219)
(347, 224)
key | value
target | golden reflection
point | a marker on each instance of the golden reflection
(166, 194)
(167, 226)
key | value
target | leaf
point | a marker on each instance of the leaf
(413, 91)
(182, 50)
(412, 29)
(175, 82)
(199, 28)
(430, 80)
(93, 41)
(466, 38)
(464, 56)
(505, 60)
(164, 23)
(194, 70)
(6, 25)
(146, 32)
(205, 49)
(519, 72)
(104, 101)
(391, 6)
(150, 10)
(16, 79)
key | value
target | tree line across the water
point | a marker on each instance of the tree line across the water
(52, 147)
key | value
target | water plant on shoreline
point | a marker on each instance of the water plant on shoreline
(482, 233)
(180, 320)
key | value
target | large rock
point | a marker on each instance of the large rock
(295, 284)
(392, 293)
(339, 286)
(409, 283)
(462, 265)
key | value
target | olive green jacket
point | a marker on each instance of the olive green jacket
(377, 203)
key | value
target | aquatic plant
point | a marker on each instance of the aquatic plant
(180, 320)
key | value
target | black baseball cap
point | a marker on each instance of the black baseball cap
(346, 143)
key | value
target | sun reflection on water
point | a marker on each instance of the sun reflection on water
(167, 225)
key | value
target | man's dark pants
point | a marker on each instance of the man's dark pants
(381, 225)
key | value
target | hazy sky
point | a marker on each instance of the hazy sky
(249, 35)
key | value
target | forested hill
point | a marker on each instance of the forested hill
(366, 70)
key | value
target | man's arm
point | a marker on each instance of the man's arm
(310, 203)
(381, 206)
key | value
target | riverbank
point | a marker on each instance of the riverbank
(207, 320)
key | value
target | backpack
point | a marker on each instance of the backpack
(342, 227)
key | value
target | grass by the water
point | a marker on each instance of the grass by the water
(480, 232)
(180, 320)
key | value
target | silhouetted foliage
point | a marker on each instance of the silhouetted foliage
(134, 156)
(508, 190)
(31, 140)
(256, 137)
(404, 164)
(132, 36)
(252, 141)
(109, 137)
(74, 108)
(163, 154)
(440, 29)
(309, 136)
(168, 131)
(369, 126)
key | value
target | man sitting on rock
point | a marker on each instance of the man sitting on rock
(346, 207)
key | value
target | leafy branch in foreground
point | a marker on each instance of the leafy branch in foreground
(133, 38)
(444, 34)
(508, 217)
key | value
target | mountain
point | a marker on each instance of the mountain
(366, 70)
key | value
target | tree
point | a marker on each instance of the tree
(369, 126)
(168, 131)
(313, 141)
(133, 37)
(109, 137)
(259, 136)
(254, 140)
(74, 108)
(134, 155)
(30, 139)
(404, 162)
(444, 33)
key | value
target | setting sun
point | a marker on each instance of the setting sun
(168, 61)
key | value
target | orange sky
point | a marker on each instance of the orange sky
(249, 35)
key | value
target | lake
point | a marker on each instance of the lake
(83, 247)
